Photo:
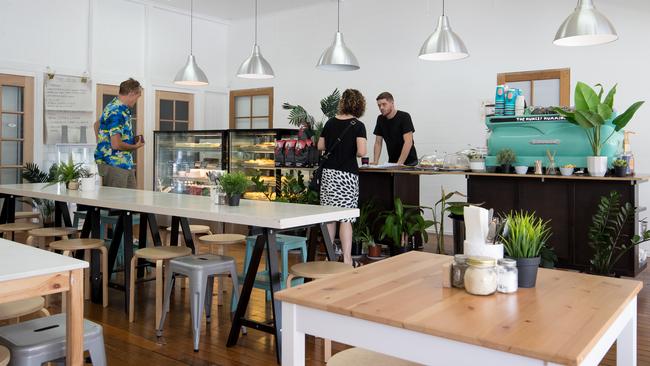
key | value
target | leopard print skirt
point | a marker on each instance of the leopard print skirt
(339, 189)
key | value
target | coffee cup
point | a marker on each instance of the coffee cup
(365, 160)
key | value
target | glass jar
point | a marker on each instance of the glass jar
(458, 268)
(481, 276)
(507, 276)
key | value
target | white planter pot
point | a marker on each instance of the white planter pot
(87, 184)
(597, 165)
(477, 166)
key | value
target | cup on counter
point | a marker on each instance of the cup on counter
(365, 161)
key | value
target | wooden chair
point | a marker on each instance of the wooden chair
(13, 310)
(4, 356)
(161, 256)
(41, 235)
(220, 241)
(17, 227)
(194, 229)
(69, 246)
(314, 271)
(362, 357)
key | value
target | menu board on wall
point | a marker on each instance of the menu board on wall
(68, 106)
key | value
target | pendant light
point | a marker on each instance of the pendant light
(443, 44)
(191, 74)
(338, 57)
(586, 26)
(255, 66)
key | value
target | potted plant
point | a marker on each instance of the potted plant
(440, 209)
(620, 167)
(361, 231)
(87, 180)
(403, 223)
(33, 174)
(476, 160)
(374, 249)
(596, 116)
(605, 234)
(524, 238)
(299, 117)
(505, 158)
(234, 184)
(68, 174)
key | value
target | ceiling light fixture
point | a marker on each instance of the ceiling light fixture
(443, 44)
(586, 26)
(191, 74)
(255, 66)
(338, 57)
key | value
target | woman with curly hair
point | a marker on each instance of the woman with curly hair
(344, 140)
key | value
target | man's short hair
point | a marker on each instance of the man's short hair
(386, 95)
(129, 86)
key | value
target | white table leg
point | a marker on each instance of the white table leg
(626, 341)
(293, 341)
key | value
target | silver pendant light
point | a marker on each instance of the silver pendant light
(191, 74)
(586, 26)
(255, 66)
(338, 57)
(443, 44)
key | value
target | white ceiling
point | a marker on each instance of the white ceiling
(236, 9)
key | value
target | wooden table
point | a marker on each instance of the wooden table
(398, 307)
(28, 272)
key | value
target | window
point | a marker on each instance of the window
(251, 108)
(174, 111)
(16, 130)
(542, 87)
(105, 94)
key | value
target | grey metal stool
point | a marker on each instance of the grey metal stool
(34, 342)
(200, 269)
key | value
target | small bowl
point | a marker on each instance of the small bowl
(521, 169)
(566, 171)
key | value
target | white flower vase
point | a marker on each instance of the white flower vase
(597, 165)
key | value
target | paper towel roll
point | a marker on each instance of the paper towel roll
(476, 224)
(482, 249)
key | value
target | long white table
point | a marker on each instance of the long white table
(29, 272)
(270, 216)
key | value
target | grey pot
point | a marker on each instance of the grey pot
(234, 200)
(527, 268)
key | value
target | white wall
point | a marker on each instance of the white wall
(444, 98)
(114, 40)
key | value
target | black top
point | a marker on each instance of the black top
(343, 156)
(392, 131)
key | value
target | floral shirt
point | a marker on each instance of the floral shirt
(115, 120)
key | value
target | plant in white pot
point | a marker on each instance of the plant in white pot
(476, 160)
(596, 116)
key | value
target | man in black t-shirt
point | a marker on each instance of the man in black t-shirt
(396, 128)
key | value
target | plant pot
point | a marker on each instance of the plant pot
(395, 250)
(458, 223)
(620, 171)
(527, 268)
(233, 200)
(477, 166)
(73, 185)
(374, 251)
(87, 184)
(506, 168)
(357, 247)
(521, 169)
(597, 165)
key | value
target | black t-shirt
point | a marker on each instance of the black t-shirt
(392, 131)
(343, 156)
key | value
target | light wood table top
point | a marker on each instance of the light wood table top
(22, 261)
(558, 321)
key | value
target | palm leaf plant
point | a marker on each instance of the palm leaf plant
(298, 115)
(33, 174)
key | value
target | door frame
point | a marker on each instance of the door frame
(27, 83)
(176, 96)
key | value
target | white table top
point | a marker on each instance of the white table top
(273, 215)
(22, 261)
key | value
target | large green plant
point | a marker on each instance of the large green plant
(362, 227)
(33, 174)
(606, 236)
(293, 189)
(402, 223)
(68, 172)
(234, 183)
(592, 112)
(526, 235)
(298, 115)
(439, 210)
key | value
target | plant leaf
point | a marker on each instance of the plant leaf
(605, 111)
(588, 120)
(586, 98)
(609, 99)
(622, 120)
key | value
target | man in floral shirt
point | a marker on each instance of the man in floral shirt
(115, 139)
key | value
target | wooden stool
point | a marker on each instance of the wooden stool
(194, 230)
(43, 233)
(13, 310)
(70, 245)
(4, 356)
(221, 240)
(17, 227)
(160, 255)
(27, 215)
(362, 357)
(317, 270)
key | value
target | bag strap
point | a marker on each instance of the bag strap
(338, 139)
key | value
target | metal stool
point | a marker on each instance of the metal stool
(200, 269)
(41, 340)
(12, 311)
(220, 240)
(160, 255)
(43, 233)
(68, 246)
(17, 227)
(363, 357)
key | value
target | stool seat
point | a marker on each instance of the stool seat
(363, 357)
(16, 309)
(320, 269)
(196, 229)
(18, 226)
(222, 239)
(163, 253)
(27, 215)
(53, 231)
(207, 262)
(77, 244)
(4, 356)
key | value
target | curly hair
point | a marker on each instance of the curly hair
(353, 103)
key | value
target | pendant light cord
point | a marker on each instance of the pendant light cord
(443, 7)
(255, 22)
(338, 16)
(191, 24)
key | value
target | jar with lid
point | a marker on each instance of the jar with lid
(458, 268)
(507, 276)
(481, 276)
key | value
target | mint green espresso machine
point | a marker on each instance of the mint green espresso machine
(531, 136)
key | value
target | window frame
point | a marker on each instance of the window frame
(27, 83)
(175, 96)
(250, 93)
(564, 75)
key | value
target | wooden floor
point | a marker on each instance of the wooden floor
(136, 343)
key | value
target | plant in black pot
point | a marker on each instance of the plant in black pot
(234, 184)
(443, 207)
(620, 167)
(361, 228)
(402, 224)
(505, 158)
(524, 239)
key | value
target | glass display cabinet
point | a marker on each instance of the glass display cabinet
(183, 158)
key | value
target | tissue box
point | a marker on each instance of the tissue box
(475, 249)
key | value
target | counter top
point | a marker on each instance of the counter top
(22, 261)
